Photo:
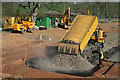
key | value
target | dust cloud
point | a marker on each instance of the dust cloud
(49, 63)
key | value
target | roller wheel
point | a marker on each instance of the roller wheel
(23, 30)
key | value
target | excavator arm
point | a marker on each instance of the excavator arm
(67, 15)
(64, 22)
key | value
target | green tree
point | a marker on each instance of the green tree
(33, 6)
(18, 12)
(7, 9)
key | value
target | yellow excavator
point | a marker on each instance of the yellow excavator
(65, 22)
(23, 24)
(82, 36)
(8, 22)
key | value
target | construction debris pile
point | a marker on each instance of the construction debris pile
(64, 63)
(71, 62)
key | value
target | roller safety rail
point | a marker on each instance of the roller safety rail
(78, 34)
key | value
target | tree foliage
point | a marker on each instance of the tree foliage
(100, 9)
(33, 6)
(7, 9)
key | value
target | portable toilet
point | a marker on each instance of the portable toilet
(47, 22)
(53, 21)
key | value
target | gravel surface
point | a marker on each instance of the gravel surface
(113, 51)
(71, 62)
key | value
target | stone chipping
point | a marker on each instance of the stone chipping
(71, 62)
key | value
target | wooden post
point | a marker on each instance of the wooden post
(25, 56)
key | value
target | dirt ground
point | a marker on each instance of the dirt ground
(16, 45)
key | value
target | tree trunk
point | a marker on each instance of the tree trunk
(106, 13)
(34, 12)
